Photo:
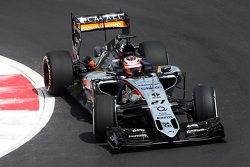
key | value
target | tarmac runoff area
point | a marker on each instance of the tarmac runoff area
(25, 107)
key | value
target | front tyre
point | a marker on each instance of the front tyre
(204, 103)
(57, 72)
(103, 116)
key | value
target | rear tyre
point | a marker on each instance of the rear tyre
(57, 72)
(154, 52)
(204, 103)
(103, 116)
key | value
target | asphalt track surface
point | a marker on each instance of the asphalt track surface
(207, 39)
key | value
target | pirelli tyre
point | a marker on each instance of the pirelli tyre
(154, 52)
(57, 72)
(103, 116)
(204, 103)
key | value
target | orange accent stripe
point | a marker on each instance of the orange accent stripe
(94, 26)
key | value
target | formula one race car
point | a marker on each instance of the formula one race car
(129, 89)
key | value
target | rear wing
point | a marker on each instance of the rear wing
(101, 21)
(119, 20)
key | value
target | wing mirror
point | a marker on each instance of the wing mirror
(166, 69)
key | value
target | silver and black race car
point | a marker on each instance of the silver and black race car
(137, 110)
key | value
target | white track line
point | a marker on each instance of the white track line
(30, 122)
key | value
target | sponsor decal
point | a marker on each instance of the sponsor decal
(94, 26)
(137, 136)
(169, 117)
(190, 126)
(156, 95)
(166, 124)
(161, 117)
(102, 18)
(160, 114)
(164, 117)
(157, 102)
(196, 131)
(149, 88)
(161, 108)
(138, 130)
(97, 75)
(170, 131)
(147, 84)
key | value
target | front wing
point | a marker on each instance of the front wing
(208, 130)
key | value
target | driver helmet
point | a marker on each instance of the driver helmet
(128, 50)
(131, 63)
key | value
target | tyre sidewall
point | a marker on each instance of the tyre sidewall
(58, 71)
(204, 103)
(103, 116)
